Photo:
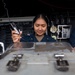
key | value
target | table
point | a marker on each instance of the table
(38, 59)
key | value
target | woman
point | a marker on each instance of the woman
(40, 24)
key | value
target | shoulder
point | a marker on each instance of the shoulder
(73, 29)
(72, 32)
(49, 38)
(72, 37)
(27, 38)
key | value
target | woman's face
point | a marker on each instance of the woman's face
(40, 27)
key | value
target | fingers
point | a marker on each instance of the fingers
(14, 32)
(20, 32)
(74, 48)
(16, 40)
(16, 37)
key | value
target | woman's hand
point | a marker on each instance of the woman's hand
(73, 48)
(16, 37)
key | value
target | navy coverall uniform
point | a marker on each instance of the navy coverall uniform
(32, 38)
(72, 37)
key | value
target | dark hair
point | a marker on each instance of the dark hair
(43, 16)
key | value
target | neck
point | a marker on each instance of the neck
(39, 37)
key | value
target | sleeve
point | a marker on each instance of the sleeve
(72, 37)
(24, 39)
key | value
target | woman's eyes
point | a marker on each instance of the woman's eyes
(43, 25)
(37, 25)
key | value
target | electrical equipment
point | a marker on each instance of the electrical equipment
(63, 31)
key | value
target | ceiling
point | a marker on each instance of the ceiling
(20, 8)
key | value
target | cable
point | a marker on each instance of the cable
(13, 25)
(6, 10)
